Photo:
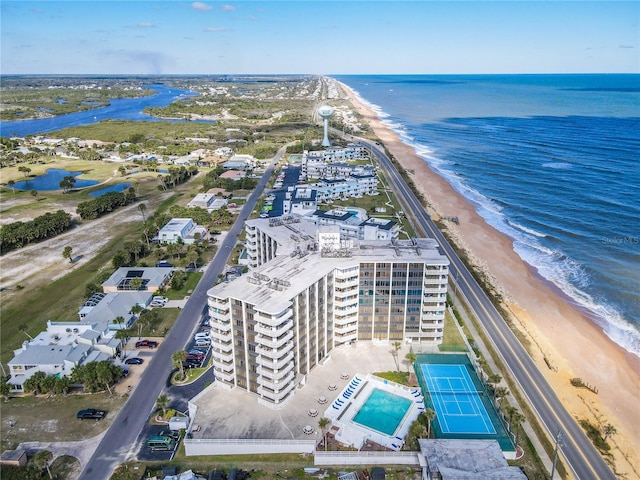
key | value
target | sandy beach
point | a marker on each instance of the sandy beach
(572, 344)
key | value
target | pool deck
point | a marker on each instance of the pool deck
(345, 407)
(236, 413)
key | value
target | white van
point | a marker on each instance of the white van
(201, 335)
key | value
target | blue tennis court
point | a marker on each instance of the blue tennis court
(456, 401)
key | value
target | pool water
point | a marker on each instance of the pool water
(382, 412)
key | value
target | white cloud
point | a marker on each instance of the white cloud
(142, 25)
(215, 29)
(228, 8)
(203, 7)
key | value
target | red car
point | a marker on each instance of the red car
(146, 344)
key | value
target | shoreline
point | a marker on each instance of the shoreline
(561, 334)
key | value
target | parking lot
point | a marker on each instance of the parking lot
(198, 355)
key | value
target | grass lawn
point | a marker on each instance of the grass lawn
(452, 340)
(54, 419)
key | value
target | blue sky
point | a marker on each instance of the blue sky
(319, 37)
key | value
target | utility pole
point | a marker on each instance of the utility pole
(555, 453)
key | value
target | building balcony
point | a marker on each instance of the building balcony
(221, 335)
(272, 364)
(274, 332)
(345, 329)
(271, 342)
(276, 384)
(274, 353)
(227, 377)
(276, 375)
(273, 396)
(345, 338)
(224, 357)
(273, 321)
(221, 366)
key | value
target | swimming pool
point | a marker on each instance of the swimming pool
(382, 411)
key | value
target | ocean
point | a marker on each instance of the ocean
(552, 161)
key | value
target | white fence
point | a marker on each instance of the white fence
(366, 458)
(201, 446)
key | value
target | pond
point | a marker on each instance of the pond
(118, 187)
(51, 180)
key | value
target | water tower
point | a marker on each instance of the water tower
(325, 111)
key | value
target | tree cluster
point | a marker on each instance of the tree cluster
(176, 176)
(40, 382)
(129, 254)
(97, 376)
(18, 234)
(106, 203)
(213, 180)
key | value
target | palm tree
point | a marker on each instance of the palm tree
(410, 358)
(122, 335)
(23, 328)
(500, 393)
(396, 348)
(517, 418)
(162, 402)
(142, 207)
(42, 459)
(178, 358)
(429, 415)
(608, 430)
(322, 423)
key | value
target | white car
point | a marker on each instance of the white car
(202, 335)
(203, 342)
(162, 300)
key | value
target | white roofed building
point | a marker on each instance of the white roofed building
(312, 290)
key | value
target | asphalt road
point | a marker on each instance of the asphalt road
(119, 444)
(578, 452)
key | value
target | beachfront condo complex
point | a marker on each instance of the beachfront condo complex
(312, 291)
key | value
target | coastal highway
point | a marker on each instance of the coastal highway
(119, 443)
(578, 452)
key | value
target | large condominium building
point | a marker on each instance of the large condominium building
(271, 327)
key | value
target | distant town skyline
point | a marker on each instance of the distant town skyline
(319, 37)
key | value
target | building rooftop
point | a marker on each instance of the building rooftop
(468, 460)
(273, 284)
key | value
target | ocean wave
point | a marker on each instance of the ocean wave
(571, 278)
(531, 231)
(558, 165)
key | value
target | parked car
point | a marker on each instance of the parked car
(202, 335)
(196, 355)
(203, 342)
(160, 299)
(170, 434)
(196, 358)
(134, 361)
(91, 413)
(146, 344)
